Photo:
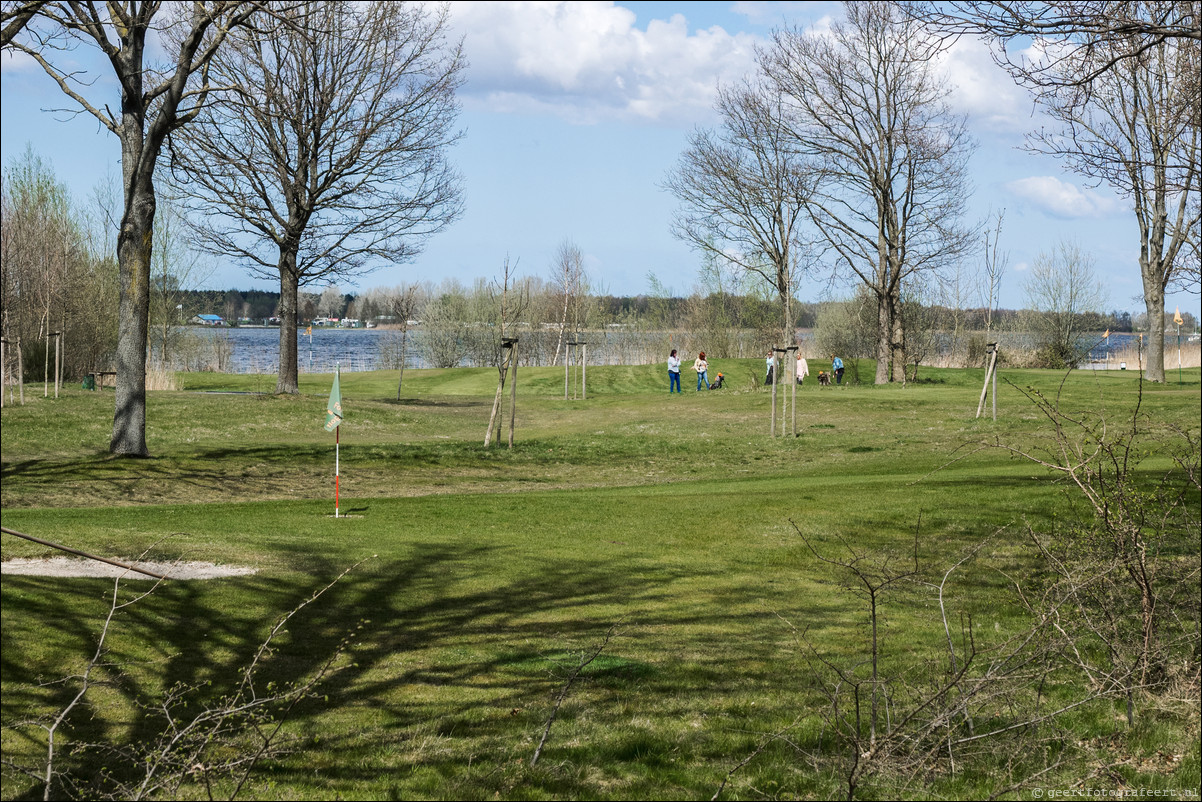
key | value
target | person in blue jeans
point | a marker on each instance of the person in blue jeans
(701, 366)
(673, 372)
(837, 366)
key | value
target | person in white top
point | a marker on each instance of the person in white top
(803, 368)
(673, 372)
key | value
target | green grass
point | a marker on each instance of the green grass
(487, 573)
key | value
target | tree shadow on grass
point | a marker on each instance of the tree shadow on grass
(442, 402)
(447, 646)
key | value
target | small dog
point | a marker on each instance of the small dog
(824, 378)
(718, 384)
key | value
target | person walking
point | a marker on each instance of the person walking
(837, 367)
(673, 372)
(702, 367)
(803, 368)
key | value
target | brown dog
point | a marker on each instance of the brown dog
(824, 378)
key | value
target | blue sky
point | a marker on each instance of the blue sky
(573, 114)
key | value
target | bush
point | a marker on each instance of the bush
(1057, 356)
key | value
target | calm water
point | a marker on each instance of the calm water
(255, 350)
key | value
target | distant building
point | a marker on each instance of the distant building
(208, 320)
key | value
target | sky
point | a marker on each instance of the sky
(574, 113)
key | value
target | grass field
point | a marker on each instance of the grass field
(672, 524)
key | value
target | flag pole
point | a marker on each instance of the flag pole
(337, 441)
(334, 421)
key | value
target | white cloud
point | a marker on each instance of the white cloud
(983, 90)
(14, 61)
(1061, 199)
(588, 61)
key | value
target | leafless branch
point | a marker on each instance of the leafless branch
(585, 660)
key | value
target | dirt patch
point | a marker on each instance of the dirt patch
(70, 566)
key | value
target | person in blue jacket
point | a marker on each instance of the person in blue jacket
(837, 366)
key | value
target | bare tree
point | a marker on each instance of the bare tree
(51, 279)
(1136, 127)
(445, 325)
(175, 268)
(1122, 78)
(326, 152)
(155, 101)
(1061, 287)
(400, 305)
(570, 282)
(509, 298)
(1070, 32)
(995, 264)
(330, 304)
(887, 157)
(14, 16)
(742, 192)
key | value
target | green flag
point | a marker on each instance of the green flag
(334, 406)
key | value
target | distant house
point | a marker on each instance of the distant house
(208, 320)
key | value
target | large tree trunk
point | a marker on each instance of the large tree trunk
(1154, 305)
(897, 344)
(289, 292)
(884, 339)
(134, 242)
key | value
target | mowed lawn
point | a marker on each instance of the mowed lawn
(673, 525)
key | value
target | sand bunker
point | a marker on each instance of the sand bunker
(71, 566)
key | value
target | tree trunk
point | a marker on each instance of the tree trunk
(563, 325)
(289, 292)
(494, 418)
(884, 339)
(404, 355)
(1154, 305)
(897, 345)
(133, 256)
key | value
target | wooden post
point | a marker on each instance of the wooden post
(792, 357)
(3, 370)
(773, 430)
(579, 379)
(513, 388)
(58, 355)
(995, 384)
(495, 415)
(992, 350)
(20, 372)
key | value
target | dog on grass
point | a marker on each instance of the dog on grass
(824, 378)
